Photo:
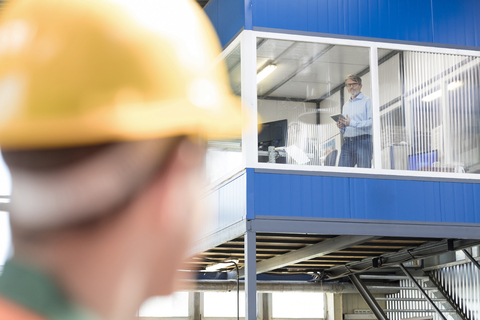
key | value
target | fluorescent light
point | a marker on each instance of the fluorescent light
(432, 96)
(222, 265)
(454, 85)
(265, 72)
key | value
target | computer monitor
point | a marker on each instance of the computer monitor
(421, 160)
(273, 134)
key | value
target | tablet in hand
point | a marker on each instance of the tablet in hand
(337, 116)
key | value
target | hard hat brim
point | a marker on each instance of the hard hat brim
(129, 122)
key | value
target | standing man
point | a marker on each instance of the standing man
(356, 127)
(104, 105)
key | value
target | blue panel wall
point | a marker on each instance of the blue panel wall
(293, 195)
(434, 21)
(227, 16)
(431, 21)
(457, 22)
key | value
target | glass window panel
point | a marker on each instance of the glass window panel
(223, 304)
(298, 305)
(299, 86)
(429, 108)
(224, 156)
(174, 305)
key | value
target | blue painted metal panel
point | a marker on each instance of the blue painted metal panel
(293, 195)
(227, 16)
(456, 22)
(433, 21)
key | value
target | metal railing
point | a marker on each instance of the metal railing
(459, 282)
(462, 283)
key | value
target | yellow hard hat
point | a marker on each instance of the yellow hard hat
(79, 72)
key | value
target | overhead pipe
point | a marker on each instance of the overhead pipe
(277, 286)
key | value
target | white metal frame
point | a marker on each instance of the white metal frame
(248, 41)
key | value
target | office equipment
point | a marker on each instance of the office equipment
(273, 134)
(421, 160)
(337, 116)
(331, 158)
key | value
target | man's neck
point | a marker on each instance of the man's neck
(82, 267)
(353, 97)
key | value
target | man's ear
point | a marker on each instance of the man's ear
(170, 192)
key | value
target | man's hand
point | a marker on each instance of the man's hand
(345, 122)
(340, 125)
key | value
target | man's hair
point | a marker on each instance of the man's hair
(111, 177)
(355, 78)
(49, 159)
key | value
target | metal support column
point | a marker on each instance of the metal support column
(367, 296)
(265, 306)
(250, 276)
(469, 256)
(419, 287)
(195, 305)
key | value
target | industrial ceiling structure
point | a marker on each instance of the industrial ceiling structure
(331, 256)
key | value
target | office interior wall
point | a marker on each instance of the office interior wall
(433, 123)
(328, 106)
(392, 131)
(354, 303)
(273, 110)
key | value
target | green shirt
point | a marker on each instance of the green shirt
(37, 292)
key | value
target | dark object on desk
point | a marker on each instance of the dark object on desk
(337, 116)
(331, 158)
(421, 160)
(273, 134)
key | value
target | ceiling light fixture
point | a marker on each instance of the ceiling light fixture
(432, 96)
(265, 72)
(222, 265)
(454, 85)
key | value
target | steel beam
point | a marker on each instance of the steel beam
(310, 252)
(394, 258)
(279, 286)
(419, 287)
(367, 296)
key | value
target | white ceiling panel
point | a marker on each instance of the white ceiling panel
(271, 49)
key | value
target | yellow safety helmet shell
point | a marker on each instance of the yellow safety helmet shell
(79, 72)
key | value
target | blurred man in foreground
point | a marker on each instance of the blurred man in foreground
(103, 107)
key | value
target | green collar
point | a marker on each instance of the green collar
(38, 292)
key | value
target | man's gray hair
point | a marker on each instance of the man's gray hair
(355, 78)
